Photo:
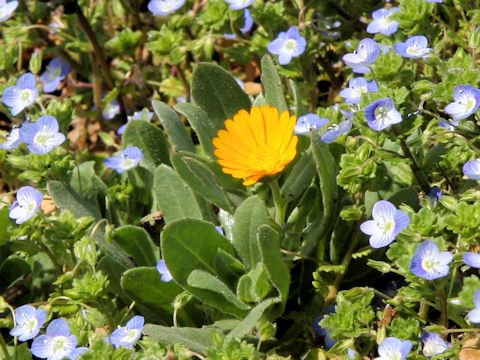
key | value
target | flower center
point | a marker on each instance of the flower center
(26, 95)
(290, 44)
(386, 226)
(41, 138)
(429, 263)
(59, 343)
(381, 113)
(131, 335)
(468, 104)
(32, 324)
(127, 163)
(414, 50)
(267, 161)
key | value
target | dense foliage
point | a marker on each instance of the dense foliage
(239, 179)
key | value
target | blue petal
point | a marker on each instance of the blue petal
(58, 327)
(472, 259)
(26, 81)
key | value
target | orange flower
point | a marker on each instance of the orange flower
(256, 144)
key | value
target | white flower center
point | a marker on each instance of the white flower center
(414, 50)
(131, 336)
(291, 45)
(31, 324)
(468, 104)
(26, 95)
(127, 163)
(430, 263)
(381, 113)
(59, 343)
(42, 137)
(386, 226)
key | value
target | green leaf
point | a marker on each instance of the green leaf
(272, 84)
(300, 109)
(299, 178)
(114, 270)
(277, 271)
(67, 198)
(254, 286)
(150, 139)
(204, 280)
(143, 285)
(191, 244)
(218, 94)
(4, 223)
(249, 216)
(252, 318)
(198, 340)
(174, 128)
(137, 244)
(173, 197)
(200, 123)
(201, 179)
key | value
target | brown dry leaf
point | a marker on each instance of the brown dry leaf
(470, 349)
(252, 88)
(48, 206)
(78, 135)
(252, 71)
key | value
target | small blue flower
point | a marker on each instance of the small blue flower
(448, 125)
(288, 45)
(434, 195)
(467, 101)
(56, 71)
(28, 322)
(472, 169)
(111, 110)
(219, 230)
(430, 263)
(127, 159)
(387, 223)
(414, 48)
(382, 22)
(137, 115)
(381, 114)
(435, 1)
(433, 344)
(239, 4)
(26, 205)
(248, 22)
(229, 36)
(366, 53)
(128, 335)
(352, 354)
(7, 9)
(13, 140)
(42, 136)
(320, 330)
(21, 95)
(57, 343)
(394, 349)
(163, 271)
(474, 315)
(308, 123)
(472, 259)
(164, 7)
(335, 131)
(357, 87)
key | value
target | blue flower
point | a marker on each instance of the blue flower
(381, 114)
(308, 123)
(21, 95)
(163, 271)
(414, 48)
(357, 87)
(7, 9)
(28, 322)
(164, 7)
(219, 230)
(57, 343)
(239, 4)
(472, 259)
(287, 45)
(394, 349)
(382, 22)
(352, 354)
(127, 159)
(111, 110)
(248, 22)
(56, 71)
(42, 136)
(435, 1)
(433, 344)
(430, 263)
(448, 125)
(137, 115)
(26, 205)
(366, 53)
(335, 131)
(13, 140)
(128, 335)
(467, 101)
(472, 169)
(387, 223)
(434, 195)
(474, 315)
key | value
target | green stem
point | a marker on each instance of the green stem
(3, 345)
(443, 304)
(280, 205)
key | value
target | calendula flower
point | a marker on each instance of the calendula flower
(256, 144)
